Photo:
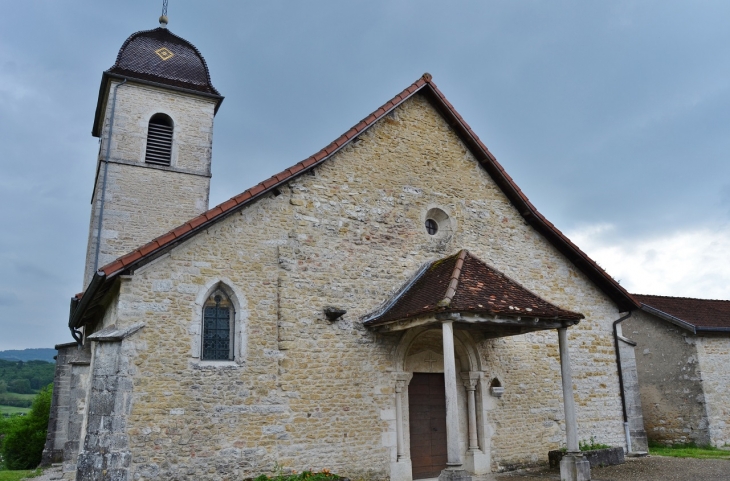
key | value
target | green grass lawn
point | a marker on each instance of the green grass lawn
(18, 475)
(689, 451)
(13, 410)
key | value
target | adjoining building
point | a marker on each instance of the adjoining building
(682, 362)
(392, 306)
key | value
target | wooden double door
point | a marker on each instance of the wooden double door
(427, 419)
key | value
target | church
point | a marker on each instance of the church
(392, 307)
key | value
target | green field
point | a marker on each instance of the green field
(5, 409)
(15, 395)
(13, 410)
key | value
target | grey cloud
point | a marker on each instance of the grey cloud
(609, 113)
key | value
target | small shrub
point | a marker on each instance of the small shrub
(23, 437)
(591, 445)
(324, 475)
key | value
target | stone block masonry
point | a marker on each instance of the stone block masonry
(143, 201)
(713, 354)
(307, 393)
(670, 380)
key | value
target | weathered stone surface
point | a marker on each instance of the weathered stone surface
(632, 396)
(58, 418)
(713, 354)
(596, 457)
(575, 467)
(673, 401)
(143, 201)
(348, 236)
(68, 405)
(306, 393)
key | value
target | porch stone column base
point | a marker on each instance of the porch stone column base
(575, 467)
(477, 462)
(454, 475)
(401, 470)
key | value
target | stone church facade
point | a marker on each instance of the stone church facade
(389, 307)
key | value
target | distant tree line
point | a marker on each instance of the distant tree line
(24, 377)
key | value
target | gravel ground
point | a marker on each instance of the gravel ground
(650, 468)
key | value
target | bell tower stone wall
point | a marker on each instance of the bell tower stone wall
(141, 200)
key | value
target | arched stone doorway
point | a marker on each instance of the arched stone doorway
(420, 404)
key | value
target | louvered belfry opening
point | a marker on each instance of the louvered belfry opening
(159, 140)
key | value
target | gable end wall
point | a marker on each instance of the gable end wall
(311, 394)
(672, 398)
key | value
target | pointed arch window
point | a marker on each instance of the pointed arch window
(218, 327)
(159, 140)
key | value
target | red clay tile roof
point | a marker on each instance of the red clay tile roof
(703, 314)
(218, 212)
(426, 87)
(463, 283)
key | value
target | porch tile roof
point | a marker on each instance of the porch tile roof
(703, 314)
(463, 283)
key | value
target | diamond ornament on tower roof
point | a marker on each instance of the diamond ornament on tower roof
(164, 53)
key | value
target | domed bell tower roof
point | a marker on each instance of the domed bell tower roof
(161, 58)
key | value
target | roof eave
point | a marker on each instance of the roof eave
(78, 312)
(148, 257)
(670, 318)
(169, 240)
(700, 329)
(373, 322)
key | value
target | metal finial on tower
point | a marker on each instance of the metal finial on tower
(163, 17)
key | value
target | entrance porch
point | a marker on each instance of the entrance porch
(442, 392)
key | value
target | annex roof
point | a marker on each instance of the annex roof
(696, 315)
(462, 283)
(423, 86)
(159, 57)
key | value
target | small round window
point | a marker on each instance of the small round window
(438, 224)
(431, 227)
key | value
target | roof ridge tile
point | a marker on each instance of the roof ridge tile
(454, 280)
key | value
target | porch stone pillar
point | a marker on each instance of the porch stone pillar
(470, 383)
(573, 466)
(401, 469)
(476, 461)
(455, 471)
(401, 382)
(452, 409)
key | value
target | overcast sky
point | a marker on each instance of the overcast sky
(613, 117)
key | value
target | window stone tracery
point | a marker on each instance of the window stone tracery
(218, 328)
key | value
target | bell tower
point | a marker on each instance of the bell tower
(154, 119)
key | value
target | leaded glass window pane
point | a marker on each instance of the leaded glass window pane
(218, 328)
